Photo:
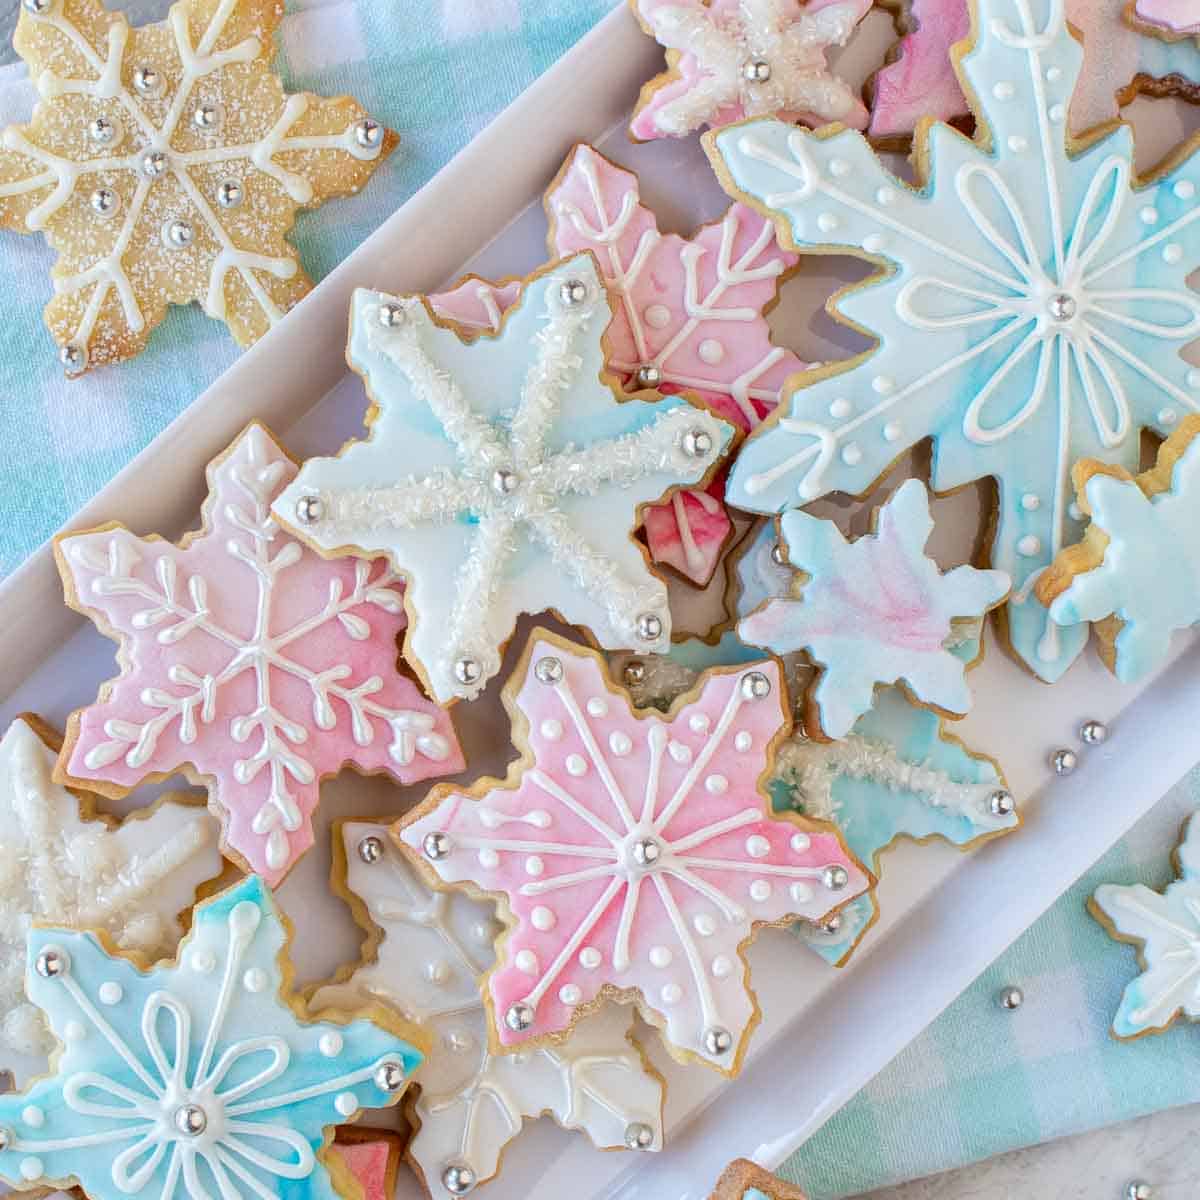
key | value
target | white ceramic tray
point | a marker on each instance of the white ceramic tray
(825, 1033)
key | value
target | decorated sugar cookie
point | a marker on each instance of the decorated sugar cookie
(477, 304)
(1165, 928)
(426, 953)
(503, 476)
(633, 853)
(745, 1180)
(372, 1156)
(249, 662)
(165, 164)
(729, 59)
(1168, 18)
(1033, 311)
(61, 864)
(876, 610)
(1136, 573)
(192, 1077)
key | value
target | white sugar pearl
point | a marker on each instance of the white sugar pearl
(534, 865)
(716, 785)
(801, 842)
(743, 741)
(711, 351)
(760, 891)
(660, 956)
(597, 706)
(576, 765)
(704, 925)
(551, 730)
(110, 993)
(543, 919)
(527, 962)
(699, 723)
(255, 980)
(330, 1044)
(722, 966)
(346, 1104)
(619, 743)
(757, 846)
(570, 994)
(589, 958)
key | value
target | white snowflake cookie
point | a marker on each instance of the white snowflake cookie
(504, 475)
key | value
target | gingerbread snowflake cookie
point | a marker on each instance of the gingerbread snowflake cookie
(165, 164)
(426, 952)
(1136, 574)
(746, 1180)
(249, 662)
(633, 853)
(730, 59)
(195, 1077)
(503, 475)
(61, 864)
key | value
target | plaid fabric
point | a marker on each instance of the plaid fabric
(981, 1080)
(435, 70)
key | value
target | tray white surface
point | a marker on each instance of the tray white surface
(946, 915)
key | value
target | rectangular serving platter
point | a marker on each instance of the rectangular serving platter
(946, 915)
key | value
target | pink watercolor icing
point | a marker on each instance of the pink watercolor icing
(600, 785)
(476, 303)
(250, 657)
(369, 1163)
(1177, 16)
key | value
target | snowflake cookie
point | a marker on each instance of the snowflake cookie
(745, 1180)
(633, 853)
(729, 59)
(249, 662)
(62, 864)
(165, 164)
(923, 81)
(503, 475)
(427, 951)
(876, 610)
(195, 1078)
(1173, 19)
(1136, 573)
(1032, 310)
(1166, 930)
(372, 1156)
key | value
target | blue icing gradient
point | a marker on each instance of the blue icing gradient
(210, 1032)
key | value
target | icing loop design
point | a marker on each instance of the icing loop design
(530, 476)
(251, 658)
(192, 1077)
(1034, 312)
(633, 853)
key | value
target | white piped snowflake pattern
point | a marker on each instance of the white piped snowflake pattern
(1033, 309)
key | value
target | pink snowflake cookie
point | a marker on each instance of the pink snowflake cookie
(633, 853)
(247, 660)
(372, 1156)
(732, 59)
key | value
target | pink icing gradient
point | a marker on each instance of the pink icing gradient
(513, 814)
(231, 598)
(368, 1163)
(689, 71)
(476, 303)
(1179, 16)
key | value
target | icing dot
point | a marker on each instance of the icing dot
(597, 706)
(757, 846)
(801, 842)
(527, 961)
(489, 858)
(722, 966)
(1017, 144)
(1004, 90)
(884, 385)
(1029, 545)
(840, 408)
(839, 167)
(801, 893)
(1167, 416)
(570, 994)
(760, 890)
(827, 222)
(874, 243)
(1074, 511)
(534, 865)
(698, 723)
(73, 1031)
(885, 197)
(202, 961)
(619, 743)
(1172, 253)
(1057, 113)
(33, 1116)
(679, 752)
(711, 351)
(743, 741)
(589, 958)
(543, 919)
(330, 1044)
(658, 316)
(1148, 215)
(346, 1104)
(1185, 189)
(551, 730)
(110, 993)
(1030, 502)
(32, 1168)
(1054, 74)
(672, 993)
(576, 765)
(660, 956)
(1193, 378)
(704, 925)
(892, 431)
(716, 785)
(852, 454)
(255, 980)
(439, 971)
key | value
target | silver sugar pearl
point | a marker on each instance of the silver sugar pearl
(309, 509)
(177, 234)
(519, 1017)
(634, 673)
(755, 686)
(153, 164)
(391, 314)
(835, 877)
(370, 849)
(778, 557)
(208, 115)
(104, 131)
(458, 1179)
(504, 483)
(1064, 761)
(73, 358)
(467, 671)
(573, 292)
(437, 845)
(697, 443)
(148, 82)
(1011, 998)
(757, 70)
(639, 1135)
(1062, 307)
(389, 1076)
(649, 376)
(649, 627)
(52, 962)
(548, 669)
(37, 8)
(717, 1040)
(1092, 733)
(368, 134)
(1139, 1190)
(646, 852)
(1001, 803)
(831, 925)
(191, 1120)
(230, 193)
(104, 202)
